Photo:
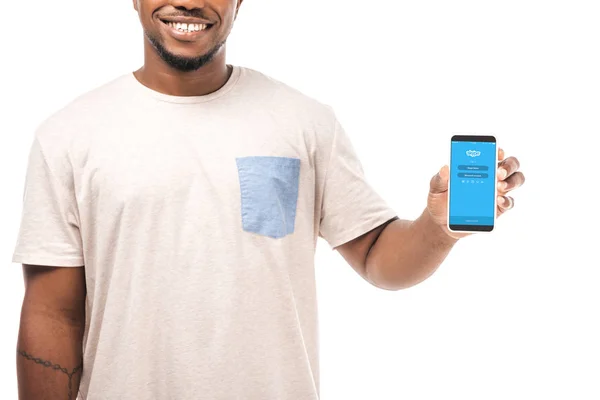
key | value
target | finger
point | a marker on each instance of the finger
(512, 182)
(501, 154)
(505, 203)
(439, 183)
(508, 167)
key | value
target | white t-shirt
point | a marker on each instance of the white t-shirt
(196, 219)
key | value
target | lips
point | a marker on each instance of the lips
(186, 29)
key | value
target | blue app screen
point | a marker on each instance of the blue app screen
(472, 183)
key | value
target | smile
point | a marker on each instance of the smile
(187, 31)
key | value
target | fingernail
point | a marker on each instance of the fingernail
(502, 174)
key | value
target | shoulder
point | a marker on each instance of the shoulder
(60, 127)
(280, 96)
(84, 109)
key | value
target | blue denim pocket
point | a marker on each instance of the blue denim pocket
(269, 188)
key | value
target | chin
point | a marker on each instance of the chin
(186, 54)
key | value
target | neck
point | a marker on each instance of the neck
(159, 76)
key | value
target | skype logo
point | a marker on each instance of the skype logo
(473, 153)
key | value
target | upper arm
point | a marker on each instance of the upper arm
(353, 214)
(55, 291)
(49, 243)
(356, 251)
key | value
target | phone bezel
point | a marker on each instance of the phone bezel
(473, 228)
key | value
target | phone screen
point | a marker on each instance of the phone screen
(472, 202)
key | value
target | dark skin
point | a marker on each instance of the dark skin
(395, 255)
(403, 253)
(49, 347)
(157, 73)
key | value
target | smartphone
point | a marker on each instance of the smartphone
(473, 182)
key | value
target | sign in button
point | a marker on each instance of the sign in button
(473, 167)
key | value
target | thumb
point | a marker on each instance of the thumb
(439, 183)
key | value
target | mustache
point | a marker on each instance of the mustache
(194, 13)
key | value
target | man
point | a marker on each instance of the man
(170, 221)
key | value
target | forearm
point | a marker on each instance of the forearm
(407, 252)
(49, 356)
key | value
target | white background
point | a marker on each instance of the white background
(511, 315)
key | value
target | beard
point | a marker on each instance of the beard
(183, 64)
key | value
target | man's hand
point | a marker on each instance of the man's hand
(402, 253)
(509, 178)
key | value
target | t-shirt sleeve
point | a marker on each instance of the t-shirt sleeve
(49, 231)
(350, 206)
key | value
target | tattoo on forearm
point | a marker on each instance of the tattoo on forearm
(55, 367)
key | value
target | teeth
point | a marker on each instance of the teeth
(184, 27)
